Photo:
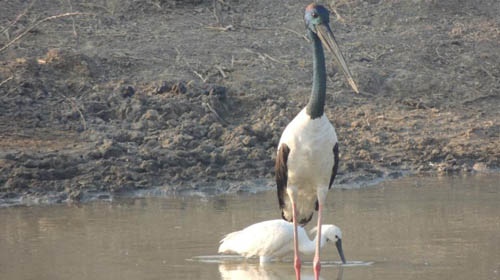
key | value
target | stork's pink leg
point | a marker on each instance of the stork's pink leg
(316, 262)
(296, 259)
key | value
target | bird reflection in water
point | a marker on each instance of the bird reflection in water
(250, 271)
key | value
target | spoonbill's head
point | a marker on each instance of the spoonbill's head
(317, 19)
(332, 233)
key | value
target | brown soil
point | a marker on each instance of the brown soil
(134, 94)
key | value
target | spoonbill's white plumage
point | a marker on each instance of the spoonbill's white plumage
(308, 153)
(273, 239)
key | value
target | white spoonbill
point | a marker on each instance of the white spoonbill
(308, 154)
(273, 239)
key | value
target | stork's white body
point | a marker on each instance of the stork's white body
(310, 161)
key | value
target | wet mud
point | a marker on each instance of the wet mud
(130, 95)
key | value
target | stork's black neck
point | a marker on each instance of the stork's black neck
(315, 107)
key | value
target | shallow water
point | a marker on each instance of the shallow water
(413, 228)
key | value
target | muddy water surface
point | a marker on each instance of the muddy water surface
(413, 228)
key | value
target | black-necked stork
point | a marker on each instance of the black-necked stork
(308, 153)
(273, 239)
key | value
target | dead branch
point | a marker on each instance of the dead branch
(200, 76)
(265, 56)
(226, 28)
(275, 59)
(295, 32)
(217, 116)
(221, 71)
(6, 80)
(38, 23)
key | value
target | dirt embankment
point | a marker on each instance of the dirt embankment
(185, 94)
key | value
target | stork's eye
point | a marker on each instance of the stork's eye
(336, 236)
(314, 15)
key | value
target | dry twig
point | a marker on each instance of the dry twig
(200, 76)
(38, 23)
(217, 116)
(6, 80)
(295, 32)
(221, 71)
(226, 28)
(265, 56)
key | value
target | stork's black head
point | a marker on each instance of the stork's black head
(317, 20)
(315, 15)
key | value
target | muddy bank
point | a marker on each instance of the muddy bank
(186, 94)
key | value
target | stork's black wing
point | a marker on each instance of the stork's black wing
(335, 164)
(281, 171)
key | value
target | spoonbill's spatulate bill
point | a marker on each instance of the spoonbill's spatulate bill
(308, 153)
(273, 239)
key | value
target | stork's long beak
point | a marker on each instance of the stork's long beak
(339, 248)
(326, 36)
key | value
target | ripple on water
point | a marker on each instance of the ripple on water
(236, 258)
